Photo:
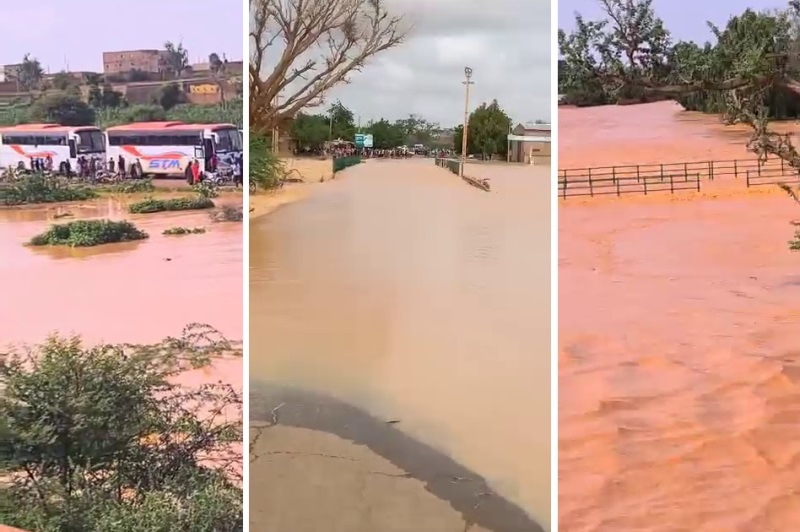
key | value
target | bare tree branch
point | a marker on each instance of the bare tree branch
(323, 41)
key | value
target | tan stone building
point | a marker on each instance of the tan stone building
(9, 73)
(152, 61)
(529, 144)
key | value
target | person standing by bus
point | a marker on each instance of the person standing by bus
(195, 171)
(237, 171)
(121, 165)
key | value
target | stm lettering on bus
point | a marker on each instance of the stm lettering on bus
(164, 164)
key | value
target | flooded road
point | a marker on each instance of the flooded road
(403, 291)
(679, 363)
(131, 292)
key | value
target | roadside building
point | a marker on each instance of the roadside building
(529, 144)
(150, 61)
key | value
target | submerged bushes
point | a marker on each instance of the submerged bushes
(33, 189)
(135, 186)
(151, 205)
(85, 233)
(184, 231)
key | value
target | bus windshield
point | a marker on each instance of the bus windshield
(91, 142)
(228, 140)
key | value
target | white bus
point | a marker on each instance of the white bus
(64, 144)
(167, 148)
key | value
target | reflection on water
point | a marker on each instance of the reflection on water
(140, 291)
(679, 368)
(403, 290)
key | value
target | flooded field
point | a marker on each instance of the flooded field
(401, 290)
(679, 367)
(131, 292)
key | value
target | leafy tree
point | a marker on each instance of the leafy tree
(386, 135)
(489, 126)
(103, 439)
(631, 43)
(62, 81)
(218, 69)
(417, 130)
(177, 58)
(310, 131)
(105, 97)
(458, 140)
(629, 58)
(66, 109)
(30, 73)
(170, 95)
(342, 121)
(353, 32)
(144, 113)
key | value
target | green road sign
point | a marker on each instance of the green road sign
(363, 140)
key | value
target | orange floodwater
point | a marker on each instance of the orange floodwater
(131, 292)
(679, 352)
(401, 289)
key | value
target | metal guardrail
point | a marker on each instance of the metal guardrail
(668, 177)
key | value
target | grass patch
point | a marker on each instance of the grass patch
(184, 231)
(137, 186)
(151, 205)
(35, 189)
(86, 233)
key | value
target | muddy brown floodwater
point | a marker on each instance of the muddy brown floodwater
(131, 292)
(679, 353)
(402, 290)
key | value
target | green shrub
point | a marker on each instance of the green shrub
(85, 233)
(101, 439)
(184, 231)
(206, 189)
(33, 189)
(151, 205)
(266, 168)
(136, 186)
(345, 162)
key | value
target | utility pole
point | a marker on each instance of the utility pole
(467, 83)
(275, 131)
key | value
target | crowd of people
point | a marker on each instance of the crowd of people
(90, 167)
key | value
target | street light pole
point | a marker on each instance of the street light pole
(467, 83)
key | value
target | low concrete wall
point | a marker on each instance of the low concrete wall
(311, 170)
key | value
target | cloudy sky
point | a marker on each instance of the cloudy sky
(74, 34)
(505, 42)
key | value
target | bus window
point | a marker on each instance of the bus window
(224, 143)
(91, 142)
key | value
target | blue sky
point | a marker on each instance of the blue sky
(685, 20)
(75, 33)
